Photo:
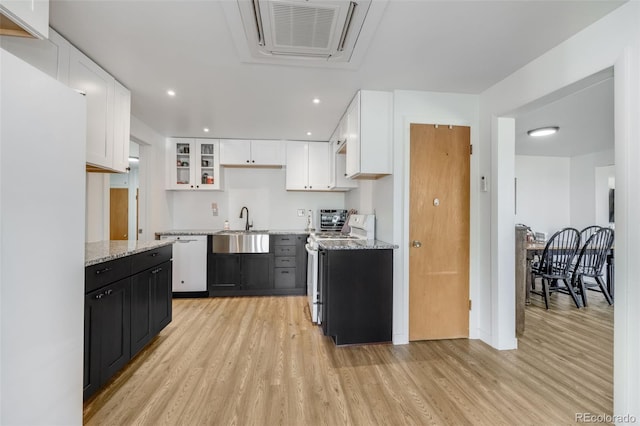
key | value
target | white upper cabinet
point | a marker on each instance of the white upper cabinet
(108, 114)
(193, 164)
(122, 127)
(307, 166)
(30, 16)
(98, 86)
(49, 56)
(369, 146)
(248, 153)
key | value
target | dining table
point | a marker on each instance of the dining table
(526, 251)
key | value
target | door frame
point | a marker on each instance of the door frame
(467, 115)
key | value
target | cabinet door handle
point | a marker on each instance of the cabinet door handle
(108, 292)
(285, 272)
(102, 271)
(154, 254)
(247, 161)
(99, 296)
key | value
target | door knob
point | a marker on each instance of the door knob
(416, 244)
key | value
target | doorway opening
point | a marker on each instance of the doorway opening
(123, 199)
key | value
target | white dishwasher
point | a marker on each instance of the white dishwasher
(189, 265)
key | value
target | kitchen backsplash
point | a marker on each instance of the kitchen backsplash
(262, 191)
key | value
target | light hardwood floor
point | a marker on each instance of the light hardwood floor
(246, 361)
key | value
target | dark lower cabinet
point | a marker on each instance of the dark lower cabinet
(356, 295)
(127, 303)
(150, 304)
(256, 271)
(239, 274)
(107, 328)
(282, 271)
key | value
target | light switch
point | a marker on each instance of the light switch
(214, 209)
(300, 212)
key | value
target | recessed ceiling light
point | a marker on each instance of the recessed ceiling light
(543, 131)
(316, 100)
(171, 92)
(206, 130)
(308, 133)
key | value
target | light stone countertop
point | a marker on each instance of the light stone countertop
(103, 251)
(215, 231)
(356, 245)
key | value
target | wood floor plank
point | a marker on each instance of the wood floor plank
(259, 360)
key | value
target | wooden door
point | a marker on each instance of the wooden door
(119, 214)
(439, 232)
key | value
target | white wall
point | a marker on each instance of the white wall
(605, 180)
(611, 41)
(583, 186)
(262, 191)
(543, 192)
(429, 108)
(154, 213)
(97, 207)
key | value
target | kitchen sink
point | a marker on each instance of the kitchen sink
(232, 241)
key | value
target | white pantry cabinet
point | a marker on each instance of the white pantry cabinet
(108, 113)
(30, 16)
(307, 166)
(369, 135)
(193, 164)
(247, 153)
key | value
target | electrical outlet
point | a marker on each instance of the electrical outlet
(214, 209)
(300, 212)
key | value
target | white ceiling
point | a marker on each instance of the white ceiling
(585, 118)
(445, 46)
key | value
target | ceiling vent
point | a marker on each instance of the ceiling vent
(310, 30)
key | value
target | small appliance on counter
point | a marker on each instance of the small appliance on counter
(332, 220)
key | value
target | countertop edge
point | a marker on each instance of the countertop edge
(105, 251)
(215, 231)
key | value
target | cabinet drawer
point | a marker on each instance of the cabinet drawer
(285, 278)
(285, 250)
(285, 262)
(149, 258)
(284, 240)
(101, 274)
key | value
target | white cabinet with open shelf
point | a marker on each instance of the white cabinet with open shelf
(193, 164)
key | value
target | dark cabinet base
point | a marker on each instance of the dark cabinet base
(281, 272)
(357, 295)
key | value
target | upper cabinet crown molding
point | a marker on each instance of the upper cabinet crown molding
(24, 18)
(251, 153)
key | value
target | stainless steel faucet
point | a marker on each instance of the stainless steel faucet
(246, 226)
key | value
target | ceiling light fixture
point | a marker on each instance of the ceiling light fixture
(206, 130)
(171, 92)
(308, 133)
(316, 101)
(543, 131)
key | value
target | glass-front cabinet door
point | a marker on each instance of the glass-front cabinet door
(193, 164)
(209, 169)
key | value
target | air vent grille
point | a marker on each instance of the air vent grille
(302, 26)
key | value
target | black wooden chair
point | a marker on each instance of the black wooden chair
(590, 264)
(587, 232)
(554, 266)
